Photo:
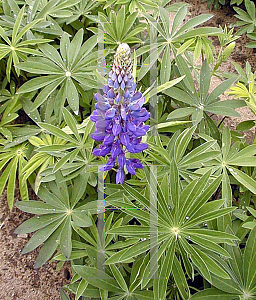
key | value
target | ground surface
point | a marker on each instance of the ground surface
(18, 279)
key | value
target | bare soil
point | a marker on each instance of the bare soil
(18, 278)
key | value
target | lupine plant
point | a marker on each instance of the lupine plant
(119, 117)
(133, 176)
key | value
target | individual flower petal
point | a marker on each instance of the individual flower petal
(131, 126)
(126, 94)
(98, 136)
(102, 150)
(123, 85)
(99, 98)
(111, 94)
(108, 166)
(130, 167)
(124, 138)
(115, 150)
(114, 77)
(141, 131)
(143, 119)
(128, 83)
(123, 113)
(116, 127)
(106, 88)
(110, 82)
(141, 147)
(116, 84)
(120, 176)
(119, 78)
(110, 113)
(118, 98)
(136, 96)
(102, 105)
(137, 164)
(121, 159)
(101, 123)
(108, 139)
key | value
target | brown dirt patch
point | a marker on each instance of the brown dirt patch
(18, 278)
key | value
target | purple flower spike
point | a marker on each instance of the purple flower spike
(119, 117)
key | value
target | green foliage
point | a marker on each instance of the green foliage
(171, 36)
(64, 70)
(197, 103)
(189, 215)
(15, 49)
(242, 277)
(179, 217)
(119, 27)
(246, 88)
(56, 215)
(134, 5)
(247, 18)
(12, 161)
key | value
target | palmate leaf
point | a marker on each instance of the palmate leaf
(72, 156)
(241, 268)
(247, 18)
(43, 13)
(134, 5)
(198, 102)
(179, 220)
(119, 28)
(93, 245)
(187, 163)
(84, 8)
(115, 284)
(55, 215)
(11, 163)
(64, 70)
(40, 161)
(10, 101)
(92, 241)
(231, 158)
(170, 37)
(246, 89)
(9, 108)
(15, 49)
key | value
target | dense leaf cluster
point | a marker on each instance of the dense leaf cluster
(182, 227)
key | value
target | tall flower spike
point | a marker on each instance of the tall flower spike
(119, 117)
